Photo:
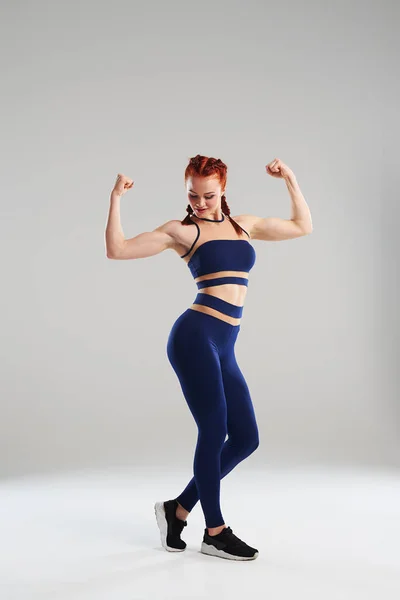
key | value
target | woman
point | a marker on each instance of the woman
(201, 343)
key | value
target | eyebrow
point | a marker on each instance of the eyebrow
(212, 192)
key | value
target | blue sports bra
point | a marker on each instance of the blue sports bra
(220, 255)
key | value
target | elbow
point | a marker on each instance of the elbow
(111, 254)
(114, 252)
(113, 248)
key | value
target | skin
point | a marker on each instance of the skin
(206, 192)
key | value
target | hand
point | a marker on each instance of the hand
(122, 184)
(277, 168)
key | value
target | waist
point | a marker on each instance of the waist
(216, 281)
(226, 308)
(222, 294)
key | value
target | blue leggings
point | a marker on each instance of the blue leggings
(200, 349)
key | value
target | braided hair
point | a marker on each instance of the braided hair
(205, 167)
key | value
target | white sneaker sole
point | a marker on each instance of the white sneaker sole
(163, 526)
(213, 551)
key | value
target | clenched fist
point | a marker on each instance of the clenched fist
(277, 168)
(122, 184)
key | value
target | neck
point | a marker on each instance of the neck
(212, 220)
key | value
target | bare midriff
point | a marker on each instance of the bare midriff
(230, 292)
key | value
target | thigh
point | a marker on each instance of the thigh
(195, 359)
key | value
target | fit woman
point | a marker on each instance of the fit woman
(201, 344)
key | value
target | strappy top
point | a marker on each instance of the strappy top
(217, 255)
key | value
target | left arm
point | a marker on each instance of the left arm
(275, 228)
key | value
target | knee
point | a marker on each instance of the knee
(249, 445)
(254, 443)
(212, 435)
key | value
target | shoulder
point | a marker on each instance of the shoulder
(247, 222)
(180, 234)
(169, 227)
(174, 227)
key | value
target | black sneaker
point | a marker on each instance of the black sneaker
(227, 545)
(169, 525)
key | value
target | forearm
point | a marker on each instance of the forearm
(300, 211)
(114, 235)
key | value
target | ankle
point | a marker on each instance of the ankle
(181, 513)
(215, 530)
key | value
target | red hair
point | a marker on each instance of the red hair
(204, 166)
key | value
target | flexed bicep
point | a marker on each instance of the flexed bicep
(147, 243)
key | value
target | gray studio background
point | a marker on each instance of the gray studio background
(92, 89)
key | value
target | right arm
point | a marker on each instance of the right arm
(142, 245)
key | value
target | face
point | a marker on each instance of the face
(204, 195)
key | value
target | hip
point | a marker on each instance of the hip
(195, 327)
